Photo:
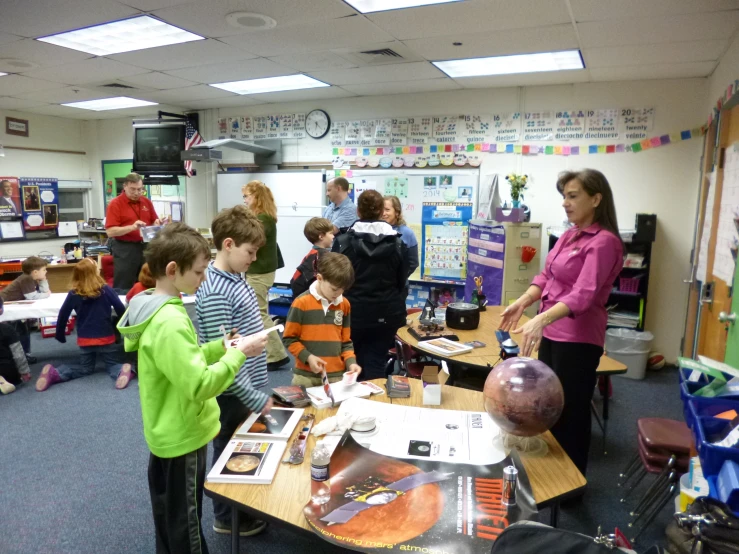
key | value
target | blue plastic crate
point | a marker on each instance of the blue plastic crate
(712, 457)
(689, 388)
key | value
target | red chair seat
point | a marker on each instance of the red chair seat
(661, 459)
(665, 434)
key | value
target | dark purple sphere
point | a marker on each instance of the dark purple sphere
(523, 396)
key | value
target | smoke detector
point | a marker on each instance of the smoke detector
(250, 21)
(14, 65)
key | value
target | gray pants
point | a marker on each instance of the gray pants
(128, 257)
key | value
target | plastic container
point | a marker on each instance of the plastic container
(689, 388)
(629, 284)
(48, 327)
(712, 456)
(687, 494)
(630, 348)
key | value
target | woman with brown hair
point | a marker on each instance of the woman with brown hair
(569, 331)
(393, 214)
(261, 274)
(380, 260)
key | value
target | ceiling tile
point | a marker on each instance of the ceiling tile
(40, 54)
(228, 102)
(6, 38)
(37, 18)
(313, 61)
(659, 71)
(526, 79)
(70, 94)
(209, 18)
(233, 71)
(479, 45)
(654, 30)
(156, 80)
(18, 84)
(594, 10)
(302, 95)
(177, 56)
(87, 71)
(473, 16)
(18, 104)
(151, 5)
(403, 87)
(310, 36)
(672, 52)
(413, 71)
(198, 92)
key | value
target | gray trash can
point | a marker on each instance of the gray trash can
(630, 348)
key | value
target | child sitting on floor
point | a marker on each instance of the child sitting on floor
(13, 364)
(145, 282)
(93, 302)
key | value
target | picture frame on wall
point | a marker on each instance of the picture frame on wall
(12, 230)
(15, 126)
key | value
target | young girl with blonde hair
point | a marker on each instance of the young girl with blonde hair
(93, 301)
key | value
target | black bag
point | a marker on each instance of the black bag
(708, 526)
(280, 261)
(528, 538)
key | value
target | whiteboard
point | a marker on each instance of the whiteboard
(299, 195)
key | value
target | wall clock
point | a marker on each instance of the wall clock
(317, 124)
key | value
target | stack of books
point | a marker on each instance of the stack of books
(398, 386)
(629, 320)
(292, 395)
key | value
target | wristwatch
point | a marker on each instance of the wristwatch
(382, 495)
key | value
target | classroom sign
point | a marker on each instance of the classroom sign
(10, 197)
(40, 197)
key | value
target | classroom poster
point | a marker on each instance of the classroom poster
(506, 127)
(602, 124)
(261, 127)
(234, 127)
(637, 122)
(447, 129)
(538, 125)
(477, 128)
(40, 197)
(247, 128)
(222, 127)
(445, 228)
(485, 257)
(396, 186)
(399, 131)
(570, 124)
(338, 128)
(442, 507)
(419, 129)
(10, 197)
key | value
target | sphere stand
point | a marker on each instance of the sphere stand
(531, 446)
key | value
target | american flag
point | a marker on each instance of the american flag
(192, 138)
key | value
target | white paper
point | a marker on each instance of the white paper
(11, 229)
(176, 211)
(287, 419)
(67, 229)
(725, 368)
(702, 267)
(694, 376)
(728, 236)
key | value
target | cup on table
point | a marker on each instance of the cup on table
(349, 378)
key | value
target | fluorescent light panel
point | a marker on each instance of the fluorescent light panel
(3, 74)
(370, 6)
(117, 103)
(127, 35)
(271, 84)
(506, 65)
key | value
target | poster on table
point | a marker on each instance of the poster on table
(40, 198)
(10, 197)
(485, 257)
(445, 228)
(381, 503)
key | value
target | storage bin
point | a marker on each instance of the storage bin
(712, 456)
(630, 348)
(629, 284)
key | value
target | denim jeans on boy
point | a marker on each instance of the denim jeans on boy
(112, 355)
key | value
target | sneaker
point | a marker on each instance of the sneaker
(5, 387)
(124, 377)
(49, 376)
(248, 527)
(274, 366)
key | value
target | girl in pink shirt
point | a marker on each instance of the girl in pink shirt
(569, 331)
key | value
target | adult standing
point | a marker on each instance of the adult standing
(570, 329)
(7, 205)
(341, 211)
(261, 274)
(380, 260)
(127, 213)
(393, 214)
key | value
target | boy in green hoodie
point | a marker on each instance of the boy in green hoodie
(178, 383)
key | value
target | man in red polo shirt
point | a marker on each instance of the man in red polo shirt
(125, 216)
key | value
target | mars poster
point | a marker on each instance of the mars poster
(379, 503)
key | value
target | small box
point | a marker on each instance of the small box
(433, 380)
(511, 215)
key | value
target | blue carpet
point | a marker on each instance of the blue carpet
(74, 466)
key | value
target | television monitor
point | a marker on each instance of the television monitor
(156, 149)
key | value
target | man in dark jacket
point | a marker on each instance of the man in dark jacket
(380, 260)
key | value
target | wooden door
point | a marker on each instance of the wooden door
(713, 332)
(732, 339)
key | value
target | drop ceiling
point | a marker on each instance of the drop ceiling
(624, 40)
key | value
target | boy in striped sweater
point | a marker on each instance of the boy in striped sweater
(318, 329)
(226, 300)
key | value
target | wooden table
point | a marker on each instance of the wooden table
(553, 477)
(489, 356)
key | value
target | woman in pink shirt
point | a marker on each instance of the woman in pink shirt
(569, 331)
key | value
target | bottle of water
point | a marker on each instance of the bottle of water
(320, 491)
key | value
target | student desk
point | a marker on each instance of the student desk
(489, 356)
(553, 477)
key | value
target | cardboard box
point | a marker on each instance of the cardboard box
(433, 380)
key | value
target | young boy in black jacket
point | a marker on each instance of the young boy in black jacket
(320, 232)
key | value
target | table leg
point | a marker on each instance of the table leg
(554, 514)
(235, 530)
(605, 410)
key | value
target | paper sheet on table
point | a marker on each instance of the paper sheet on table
(404, 432)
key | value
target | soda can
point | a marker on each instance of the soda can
(510, 476)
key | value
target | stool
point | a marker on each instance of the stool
(665, 434)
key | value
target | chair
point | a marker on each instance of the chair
(106, 267)
(409, 368)
(411, 354)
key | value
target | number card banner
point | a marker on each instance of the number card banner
(261, 127)
(570, 124)
(447, 129)
(602, 124)
(538, 126)
(285, 126)
(506, 127)
(637, 122)
(399, 132)
(222, 127)
(338, 129)
(298, 125)
(367, 132)
(477, 128)
(383, 130)
(419, 129)
(40, 198)
(234, 127)
(352, 133)
(274, 126)
(247, 128)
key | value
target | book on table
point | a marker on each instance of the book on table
(445, 347)
(255, 452)
(398, 386)
(294, 395)
(341, 392)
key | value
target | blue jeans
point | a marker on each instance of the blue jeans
(112, 355)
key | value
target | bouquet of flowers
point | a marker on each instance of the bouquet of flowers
(518, 185)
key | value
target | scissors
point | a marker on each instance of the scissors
(478, 283)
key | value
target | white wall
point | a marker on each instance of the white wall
(661, 181)
(44, 132)
(725, 74)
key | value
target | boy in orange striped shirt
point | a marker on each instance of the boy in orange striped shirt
(318, 328)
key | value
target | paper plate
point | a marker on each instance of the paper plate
(408, 161)
(361, 162)
(421, 161)
(386, 162)
(447, 158)
(374, 161)
(460, 158)
(474, 159)
(433, 160)
(397, 161)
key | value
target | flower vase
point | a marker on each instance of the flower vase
(516, 203)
